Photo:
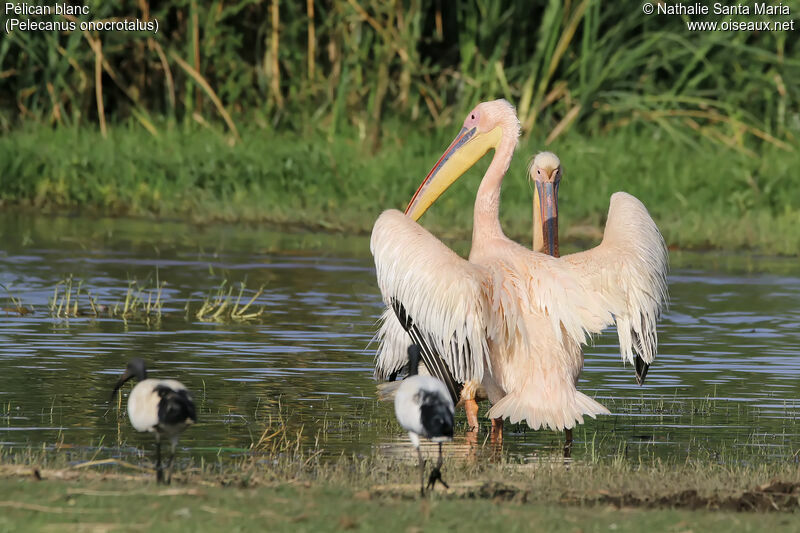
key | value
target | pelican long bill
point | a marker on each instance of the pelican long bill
(545, 173)
(466, 149)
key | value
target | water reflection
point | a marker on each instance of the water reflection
(726, 377)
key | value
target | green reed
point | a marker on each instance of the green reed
(225, 304)
(306, 112)
(16, 307)
(144, 300)
(347, 65)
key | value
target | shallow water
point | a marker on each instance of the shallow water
(726, 382)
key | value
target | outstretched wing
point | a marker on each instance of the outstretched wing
(397, 334)
(438, 298)
(629, 271)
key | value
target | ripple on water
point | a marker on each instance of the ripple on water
(727, 372)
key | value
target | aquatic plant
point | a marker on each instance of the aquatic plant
(16, 307)
(142, 301)
(221, 305)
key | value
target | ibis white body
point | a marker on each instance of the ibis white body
(145, 405)
(162, 407)
(423, 408)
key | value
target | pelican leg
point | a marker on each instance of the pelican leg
(497, 430)
(436, 473)
(471, 407)
(421, 472)
(159, 470)
(567, 443)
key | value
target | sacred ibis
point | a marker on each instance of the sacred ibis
(424, 408)
(163, 407)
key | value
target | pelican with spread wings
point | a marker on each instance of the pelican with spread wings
(512, 319)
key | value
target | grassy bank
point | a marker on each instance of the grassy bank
(700, 195)
(372, 493)
(112, 506)
(299, 113)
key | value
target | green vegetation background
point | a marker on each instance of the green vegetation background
(326, 112)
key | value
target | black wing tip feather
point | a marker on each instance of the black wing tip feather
(436, 366)
(401, 314)
(641, 369)
(432, 360)
(639, 345)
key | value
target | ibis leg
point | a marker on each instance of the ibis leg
(159, 470)
(436, 473)
(421, 472)
(169, 463)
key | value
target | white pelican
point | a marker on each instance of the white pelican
(162, 407)
(424, 408)
(510, 318)
(545, 171)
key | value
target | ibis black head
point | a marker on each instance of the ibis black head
(135, 369)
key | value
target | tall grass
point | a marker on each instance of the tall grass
(344, 65)
(309, 111)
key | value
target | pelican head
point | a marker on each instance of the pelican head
(545, 168)
(483, 129)
(545, 172)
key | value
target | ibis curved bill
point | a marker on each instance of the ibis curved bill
(510, 318)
